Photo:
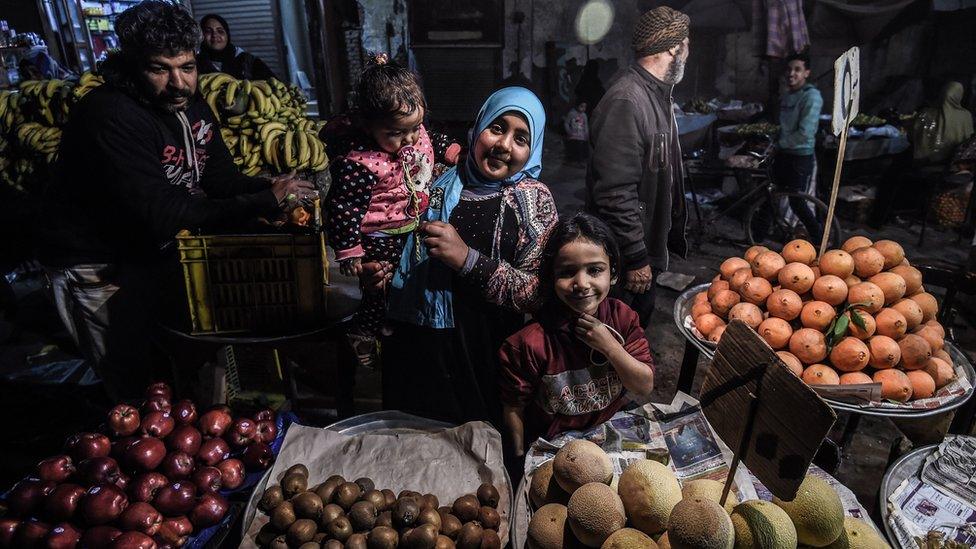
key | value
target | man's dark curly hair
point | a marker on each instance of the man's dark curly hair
(152, 27)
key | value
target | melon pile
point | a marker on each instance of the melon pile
(857, 315)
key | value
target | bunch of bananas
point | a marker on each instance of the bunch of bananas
(264, 125)
(31, 118)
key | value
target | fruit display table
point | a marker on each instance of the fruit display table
(694, 347)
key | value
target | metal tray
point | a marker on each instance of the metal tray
(682, 308)
(908, 465)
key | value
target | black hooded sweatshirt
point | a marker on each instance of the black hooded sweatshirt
(130, 176)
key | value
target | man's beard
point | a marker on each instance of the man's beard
(163, 100)
(675, 72)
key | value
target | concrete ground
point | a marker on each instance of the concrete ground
(45, 416)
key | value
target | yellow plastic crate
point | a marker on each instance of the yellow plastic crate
(266, 283)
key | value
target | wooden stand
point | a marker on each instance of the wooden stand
(841, 152)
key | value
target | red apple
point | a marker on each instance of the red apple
(31, 533)
(159, 388)
(8, 528)
(141, 517)
(56, 469)
(213, 451)
(208, 479)
(102, 504)
(123, 481)
(177, 465)
(158, 424)
(121, 445)
(175, 499)
(209, 510)
(133, 540)
(27, 496)
(241, 432)
(123, 420)
(184, 412)
(157, 403)
(63, 536)
(175, 531)
(265, 431)
(100, 469)
(264, 415)
(145, 486)
(185, 438)
(146, 454)
(63, 502)
(99, 537)
(257, 456)
(84, 446)
(214, 423)
(231, 473)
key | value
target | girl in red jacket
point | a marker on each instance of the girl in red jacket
(585, 356)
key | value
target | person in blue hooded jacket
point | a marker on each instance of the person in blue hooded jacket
(470, 273)
(799, 115)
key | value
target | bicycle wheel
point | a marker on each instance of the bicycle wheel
(782, 231)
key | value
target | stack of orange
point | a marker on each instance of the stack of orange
(859, 314)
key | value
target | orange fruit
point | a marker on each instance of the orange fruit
(915, 352)
(911, 310)
(707, 323)
(756, 290)
(717, 333)
(930, 334)
(746, 312)
(892, 252)
(767, 265)
(820, 374)
(797, 277)
(800, 251)
(753, 251)
(856, 242)
(831, 289)
(941, 371)
(731, 265)
(912, 276)
(785, 304)
(808, 345)
(717, 287)
(885, 352)
(892, 286)
(739, 277)
(855, 378)
(791, 362)
(776, 332)
(870, 326)
(923, 386)
(850, 355)
(723, 302)
(699, 309)
(891, 323)
(866, 295)
(928, 304)
(867, 262)
(895, 385)
(817, 315)
(836, 262)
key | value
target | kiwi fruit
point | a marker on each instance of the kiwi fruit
(320, 537)
(488, 495)
(409, 494)
(444, 510)
(308, 505)
(385, 519)
(340, 529)
(266, 535)
(429, 501)
(332, 544)
(271, 498)
(430, 516)
(470, 536)
(382, 537)
(362, 515)
(294, 483)
(390, 498)
(376, 498)
(365, 484)
(337, 479)
(405, 512)
(283, 516)
(297, 468)
(489, 517)
(356, 541)
(326, 490)
(346, 494)
(444, 542)
(301, 531)
(466, 508)
(280, 542)
(450, 526)
(421, 537)
(490, 540)
(310, 545)
(329, 513)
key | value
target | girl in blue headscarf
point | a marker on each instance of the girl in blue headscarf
(469, 275)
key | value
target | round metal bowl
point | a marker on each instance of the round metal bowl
(908, 465)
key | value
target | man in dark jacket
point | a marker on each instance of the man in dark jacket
(141, 158)
(634, 181)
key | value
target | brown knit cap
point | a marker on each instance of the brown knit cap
(658, 30)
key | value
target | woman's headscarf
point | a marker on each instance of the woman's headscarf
(225, 55)
(938, 131)
(421, 289)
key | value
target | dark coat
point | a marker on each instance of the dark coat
(635, 177)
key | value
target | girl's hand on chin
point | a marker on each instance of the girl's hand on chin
(444, 243)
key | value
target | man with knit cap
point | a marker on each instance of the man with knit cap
(634, 181)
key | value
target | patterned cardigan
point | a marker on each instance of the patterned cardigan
(516, 285)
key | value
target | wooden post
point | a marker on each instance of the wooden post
(841, 151)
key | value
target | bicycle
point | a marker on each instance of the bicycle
(765, 194)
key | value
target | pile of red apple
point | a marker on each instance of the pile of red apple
(151, 480)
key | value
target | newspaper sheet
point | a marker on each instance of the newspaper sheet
(915, 508)
(952, 467)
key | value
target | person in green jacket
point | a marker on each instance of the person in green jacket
(799, 114)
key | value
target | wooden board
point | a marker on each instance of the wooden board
(790, 420)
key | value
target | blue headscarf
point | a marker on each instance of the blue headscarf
(421, 289)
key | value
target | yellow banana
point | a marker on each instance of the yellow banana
(304, 153)
(288, 155)
(230, 93)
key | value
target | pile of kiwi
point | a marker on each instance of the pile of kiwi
(355, 515)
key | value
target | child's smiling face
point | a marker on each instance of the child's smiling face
(503, 148)
(392, 134)
(582, 275)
